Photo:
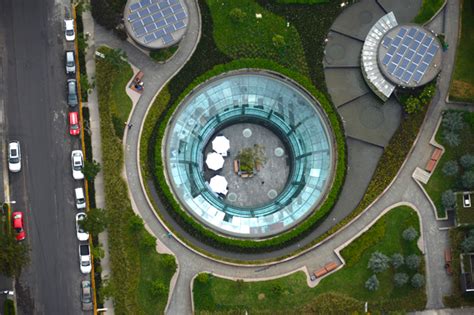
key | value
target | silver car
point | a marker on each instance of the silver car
(14, 156)
(86, 295)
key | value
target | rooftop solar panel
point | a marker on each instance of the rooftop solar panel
(417, 76)
(134, 6)
(402, 32)
(398, 72)
(427, 41)
(406, 40)
(412, 32)
(396, 41)
(422, 50)
(419, 36)
(179, 25)
(433, 49)
(406, 77)
(391, 67)
(181, 16)
(428, 59)
(167, 39)
(402, 50)
(414, 45)
(391, 50)
(411, 68)
(386, 42)
(153, 19)
(409, 54)
(404, 63)
(396, 59)
(386, 59)
(417, 58)
(422, 68)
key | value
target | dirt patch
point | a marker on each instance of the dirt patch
(261, 296)
(462, 90)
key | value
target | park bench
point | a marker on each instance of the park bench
(321, 272)
(448, 259)
(433, 160)
(330, 266)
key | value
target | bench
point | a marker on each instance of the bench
(448, 259)
(433, 160)
(236, 166)
(330, 266)
(139, 76)
(319, 273)
(137, 81)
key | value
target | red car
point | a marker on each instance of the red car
(74, 127)
(18, 225)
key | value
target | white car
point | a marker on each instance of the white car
(77, 164)
(81, 234)
(69, 32)
(85, 258)
(466, 198)
(14, 156)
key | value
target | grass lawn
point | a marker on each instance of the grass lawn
(438, 182)
(250, 37)
(134, 262)
(464, 215)
(462, 86)
(291, 294)
(121, 104)
(427, 10)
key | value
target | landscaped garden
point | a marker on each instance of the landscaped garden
(462, 85)
(387, 250)
(140, 276)
(455, 169)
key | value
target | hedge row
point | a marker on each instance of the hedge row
(195, 228)
(129, 242)
(301, 1)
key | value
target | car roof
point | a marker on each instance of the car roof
(13, 144)
(69, 23)
(73, 117)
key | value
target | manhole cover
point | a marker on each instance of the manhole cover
(272, 193)
(232, 197)
(247, 132)
(279, 152)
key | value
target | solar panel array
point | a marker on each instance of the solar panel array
(155, 19)
(409, 54)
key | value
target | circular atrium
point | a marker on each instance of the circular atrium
(249, 154)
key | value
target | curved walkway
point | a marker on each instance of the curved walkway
(403, 189)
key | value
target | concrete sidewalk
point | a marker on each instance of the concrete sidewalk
(94, 127)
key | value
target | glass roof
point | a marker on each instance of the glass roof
(261, 97)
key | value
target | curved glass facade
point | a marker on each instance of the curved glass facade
(268, 100)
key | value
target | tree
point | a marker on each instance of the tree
(98, 251)
(417, 281)
(451, 138)
(95, 222)
(400, 279)
(410, 234)
(413, 261)
(448, 199)
(13, 255)
(378, 262)
(467, 161)
(450, 168)
(397, 260)
(278, 41)
(467, 245)
(169, 262)
(158, 289)
(237, 15)
(412, 105)
(453, 121)
(135, 224)
(468, 180)
(427, 94)
(203, 278)
(372, 284)
(148, 241)
(90, 170)
(248, 157)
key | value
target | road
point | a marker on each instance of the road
(35, 110)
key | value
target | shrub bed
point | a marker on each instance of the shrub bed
(427, 10)
(208, 236)
(81, 49)
(131, 247)
(161, 55)
(343, 290)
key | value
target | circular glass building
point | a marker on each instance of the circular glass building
(263, 115)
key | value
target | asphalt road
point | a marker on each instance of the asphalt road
(36, 111)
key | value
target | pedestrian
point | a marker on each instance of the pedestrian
(263, 182)
(130, 126)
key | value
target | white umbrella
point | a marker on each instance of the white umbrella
(214, 161)
(218, 184)
(221, 145)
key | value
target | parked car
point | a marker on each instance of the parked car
(18, 226)
(14, 156)
(85, 258)
(74, 127)
(72, 99)
(81, 234)
(77, 164)
(70, 62)
(69, 30)
(80, 199)
(86, 295)
(466, 200)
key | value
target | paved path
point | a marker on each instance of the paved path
(403, 189)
